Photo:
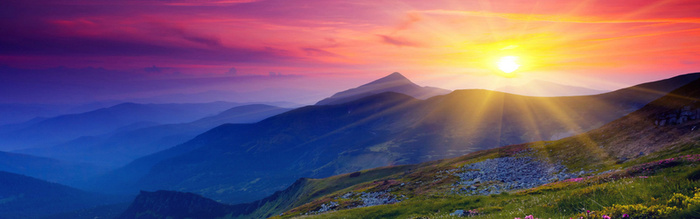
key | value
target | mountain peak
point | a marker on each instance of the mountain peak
(394, 82)
(393, 78)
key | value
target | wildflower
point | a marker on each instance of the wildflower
(625, 216)
(606, 217)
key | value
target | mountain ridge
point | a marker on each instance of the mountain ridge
(546, 88)
(103, 121)
(47, 169)
(122, 147)
(394, 82)
(27, 197)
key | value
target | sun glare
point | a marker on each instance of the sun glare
(508, 64)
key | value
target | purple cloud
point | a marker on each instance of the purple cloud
(318, 52)
(396, 41)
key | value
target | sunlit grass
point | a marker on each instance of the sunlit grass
(557, 200)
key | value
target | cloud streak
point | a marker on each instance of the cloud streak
(560, 17)
(397, 41)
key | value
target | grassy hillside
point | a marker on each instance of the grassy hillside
(658, 189)
(636, 165)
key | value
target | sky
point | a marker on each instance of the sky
(303, 50)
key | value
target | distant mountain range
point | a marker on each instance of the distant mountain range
(13, 113)
(103, 121)
(395, 82)
(124, 146)
(64, 172)
(546, 88)
(25, 197)
(664, 127)
(244, 162)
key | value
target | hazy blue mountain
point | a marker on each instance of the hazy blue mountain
(102, 211)
(17, 126)
(248, 97)
(69, 173)
(19, 113)
(176, 205)
(240, 114)
(26, 197)
(125, 146)
(172, 204)
(239, 163)
(66, 127)
(394, 82)
(546, 88)
(13, 113)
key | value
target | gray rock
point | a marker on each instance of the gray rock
(510, 173)
(458, 213)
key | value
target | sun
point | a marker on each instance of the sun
(508, 64)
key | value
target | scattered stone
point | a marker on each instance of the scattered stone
(494, 176)
(458, 213)
(326, 207)
(377, 198)
(677, 117)
(463, 213)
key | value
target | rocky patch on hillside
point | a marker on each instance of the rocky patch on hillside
(497, 175)
(358, 200)
(677, 117)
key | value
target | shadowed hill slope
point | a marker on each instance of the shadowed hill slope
(26, 197)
